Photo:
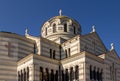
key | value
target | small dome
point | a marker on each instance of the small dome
(60, 27)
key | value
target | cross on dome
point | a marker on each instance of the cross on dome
(112, 46)
(26, 31)
(93, 28)
(60, 12)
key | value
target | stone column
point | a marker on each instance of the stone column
(31, 72)
(74, 73)
(37, 69)
(69, 74)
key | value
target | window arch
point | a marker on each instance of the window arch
(41, 74)
(91, 72)
(74, 28)
(46, 31)
(27, 74)
(54, 28)
(50, 53)
(67, 75)
(71, 74)
(65, 27)
(54, 54)
(19, 76)
(66, 53)
(52, 75)
(24, 75)
(76, 72)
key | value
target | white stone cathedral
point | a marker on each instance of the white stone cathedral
(61, 53)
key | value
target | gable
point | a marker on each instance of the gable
(114, 55)
(92, 43)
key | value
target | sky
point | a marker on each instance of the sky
(17, 15)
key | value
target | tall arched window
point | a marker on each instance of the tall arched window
(46, 75)
(52, 75)
(94, 73)
(19, 76)
(98, 74)
(54, 28)
(34, 48)
(91, 73)
(69, 52)
(54, 54)
(24, 75)
(41, 74)
(65, 27)
(46, 31)
(50, 53)
(66, 53)
(71, 74)
(74, 29)
(67, 75)
(76, 72)
(56, 76)
(27, 74)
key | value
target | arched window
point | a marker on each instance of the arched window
(94, 73)
(91, 73)
(46, 75)
(19, 76)
(41, 74)
(76, 72)
(98, 74)
(71, 74)
(54, 54)
(65, 27)
(27, 74)
(67, 75)
(56, 76)
(34, 48)
(66, 53)
(50, 53)
(24, 75)
(46, 31)
(52, 75)
(54, 28)
(69, 52)
(74, 29)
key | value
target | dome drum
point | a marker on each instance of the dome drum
(60, 26)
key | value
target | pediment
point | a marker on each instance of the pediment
(114, 55)
(94, 42)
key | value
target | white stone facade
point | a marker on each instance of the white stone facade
(62, 53)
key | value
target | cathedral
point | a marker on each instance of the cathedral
(61, 53)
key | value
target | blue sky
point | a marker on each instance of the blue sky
(17, 15)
